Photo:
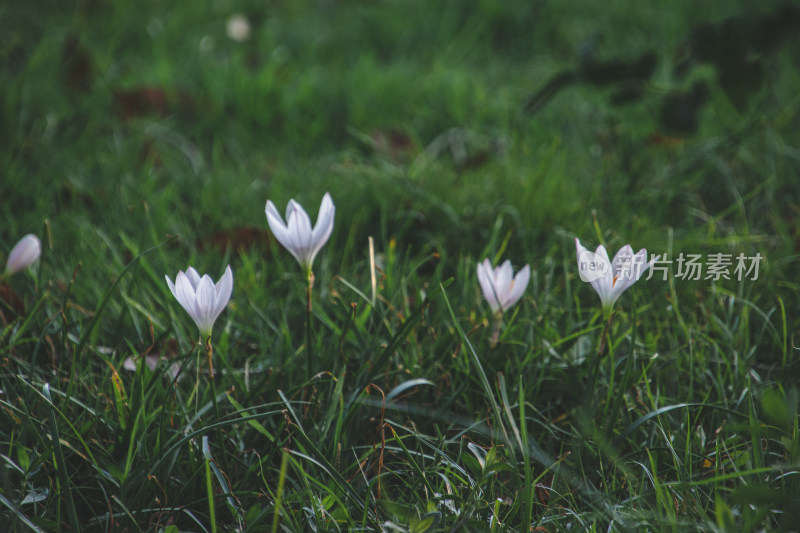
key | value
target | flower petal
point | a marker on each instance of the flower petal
(299, 229)
(223, 291)
(185, 294)
(579, 249)
(622, 265)
(171, 286)
(205, 298)
(503, 276)
(601, 251)
(194, 277)
(629, 268)
(24, 253)
(601, 285)
(324, 226)
(605, 284)
(486, 281)
(277, 225)
(518, 286)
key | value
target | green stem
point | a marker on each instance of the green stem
(210, 357)
(625, 379)
(612, 367)
(497, 322)
(209, 348)
(279, 496)
(598, 361)
(309, 309)
(210, 494)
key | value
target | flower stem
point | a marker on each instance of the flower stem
(612, 367)
(498, 320)
(595, 372)
(210, 356)
(309, 309)
(604, 337)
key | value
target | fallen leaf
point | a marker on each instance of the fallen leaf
(9, 302)
(392, 143)
(76, 64)
(149, 100)
(238, 239)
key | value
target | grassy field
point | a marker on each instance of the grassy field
(141, 138)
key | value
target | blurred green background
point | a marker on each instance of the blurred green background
(424, 116)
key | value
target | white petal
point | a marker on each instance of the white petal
(518, 287)
(601, 251)
(324, 226)
(223, 289)
(277, 225)
(206, 296)
(503, 275)
(194, 277)
(272, 212)
(579, 249)
(171, 286)
(601, 285)
(605, 284)
(621, 266)
(299, 228)
(487, 286)
(631, 275)
(24, 253)
(185, 294)
(604, 289)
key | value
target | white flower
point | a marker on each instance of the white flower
(499, 285)
(238, 28)
(611, 278)
(201, 297)
(24, 254)
(296, 234)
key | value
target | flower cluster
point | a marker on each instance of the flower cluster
(609, 278)
(204, 300)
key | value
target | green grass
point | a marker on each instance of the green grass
(678, 414)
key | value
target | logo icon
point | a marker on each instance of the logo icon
(592, 266)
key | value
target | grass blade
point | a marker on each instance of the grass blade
(21, 517)
(478, 366)
(61, 465)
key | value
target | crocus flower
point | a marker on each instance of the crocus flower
(24, 254)
(296, 234)
(611, 278)
(499, 285)
(201, 297)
